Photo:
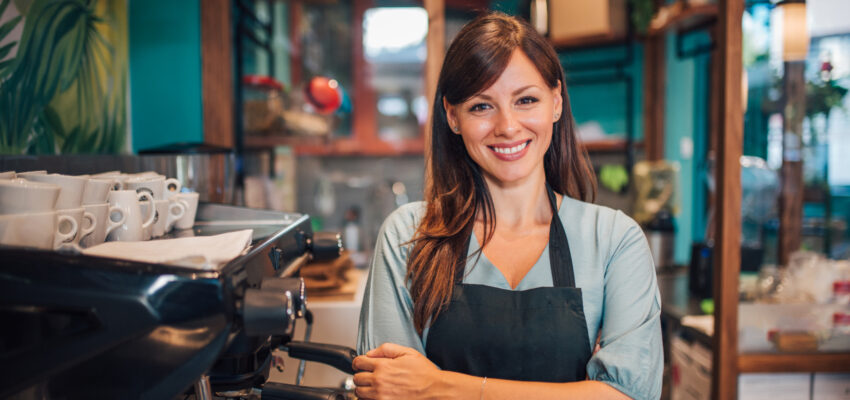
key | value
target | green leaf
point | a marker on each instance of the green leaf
(8, 26)
(5, 50)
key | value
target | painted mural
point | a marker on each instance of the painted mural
(63, 76)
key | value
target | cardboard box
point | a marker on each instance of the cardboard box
(581, 19)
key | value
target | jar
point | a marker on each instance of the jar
(262, 105)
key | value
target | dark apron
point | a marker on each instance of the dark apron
(528, 335)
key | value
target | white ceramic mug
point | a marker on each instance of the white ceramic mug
(97, 189)
(116, 176)
(8, 175)
(158, 186)
(22, 196)
(190, 202)
(86, 224)
(39, 230)
(167, 214)
(109, 218)
(134, 223)
(71, 195)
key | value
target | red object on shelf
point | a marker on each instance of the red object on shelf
(262, 81)
(323, 94)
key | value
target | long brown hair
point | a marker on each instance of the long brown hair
(456, 190)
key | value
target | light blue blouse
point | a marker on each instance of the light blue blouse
(613, 267)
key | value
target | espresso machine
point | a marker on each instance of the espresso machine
(75, 326)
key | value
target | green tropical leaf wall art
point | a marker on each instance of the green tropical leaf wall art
(64, 89)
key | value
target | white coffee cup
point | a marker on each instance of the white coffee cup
(71, 195)
(97, 189)
(158, 186)
(109, 218)
(8, 175)
(134, 222)
(85, 222)
(167, 214)
(190, 202)
(117, 176)
(38, 230)
(22, 196)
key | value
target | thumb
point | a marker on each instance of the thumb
(388, 350)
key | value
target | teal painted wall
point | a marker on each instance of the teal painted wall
(686, 118)
(165, 73)
(605, 101)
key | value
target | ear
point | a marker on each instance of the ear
(451, 116)
(558, 100)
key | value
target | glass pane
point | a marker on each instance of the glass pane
(394, 50)
(795, 184)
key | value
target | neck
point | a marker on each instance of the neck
(521, 204)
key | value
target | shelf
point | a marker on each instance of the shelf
(273, 140)
(687, 19)
(608, 145)
(590, 41)
(805, 362)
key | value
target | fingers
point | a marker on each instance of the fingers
(364, 363)
(363, 378)
(364, 388)
(365, 393)
(389, 350)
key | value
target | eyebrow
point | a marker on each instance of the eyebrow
(515, 92)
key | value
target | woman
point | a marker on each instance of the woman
(498, 285)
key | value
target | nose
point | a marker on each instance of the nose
(508, 124)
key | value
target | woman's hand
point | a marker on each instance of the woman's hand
(392, 371)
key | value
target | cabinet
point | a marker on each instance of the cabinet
(728, 363)
(388, 89)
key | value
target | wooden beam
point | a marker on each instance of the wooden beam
(436, 51)
(807, 362)
(217, 73)
(654, 88)
(791, 196)
(727, 257)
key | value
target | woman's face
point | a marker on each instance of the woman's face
(507, 128)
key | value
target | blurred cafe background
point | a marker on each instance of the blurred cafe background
(721, 126)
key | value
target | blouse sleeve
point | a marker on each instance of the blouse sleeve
(387, 312)
(631, 356)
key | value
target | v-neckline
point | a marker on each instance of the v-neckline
(492, 265)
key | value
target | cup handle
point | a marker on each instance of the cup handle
(172, 182)
(174, 216)
(152, 208)
(65, 237)
(111, 225)
(92, 224)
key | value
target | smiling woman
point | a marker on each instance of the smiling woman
(505, 272)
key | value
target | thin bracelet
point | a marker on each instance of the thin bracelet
(482, 388)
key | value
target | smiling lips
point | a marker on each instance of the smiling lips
(510, 151)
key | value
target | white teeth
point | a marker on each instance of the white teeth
(510, 150)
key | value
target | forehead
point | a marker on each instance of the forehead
(520, 72)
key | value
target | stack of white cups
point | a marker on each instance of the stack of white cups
(53, 211)
(29, 216)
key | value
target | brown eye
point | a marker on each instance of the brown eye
(528, 100)
(479, 107)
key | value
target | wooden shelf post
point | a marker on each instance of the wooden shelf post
(727, 258)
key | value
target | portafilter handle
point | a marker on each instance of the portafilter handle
(339, 357)
(325, 246)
